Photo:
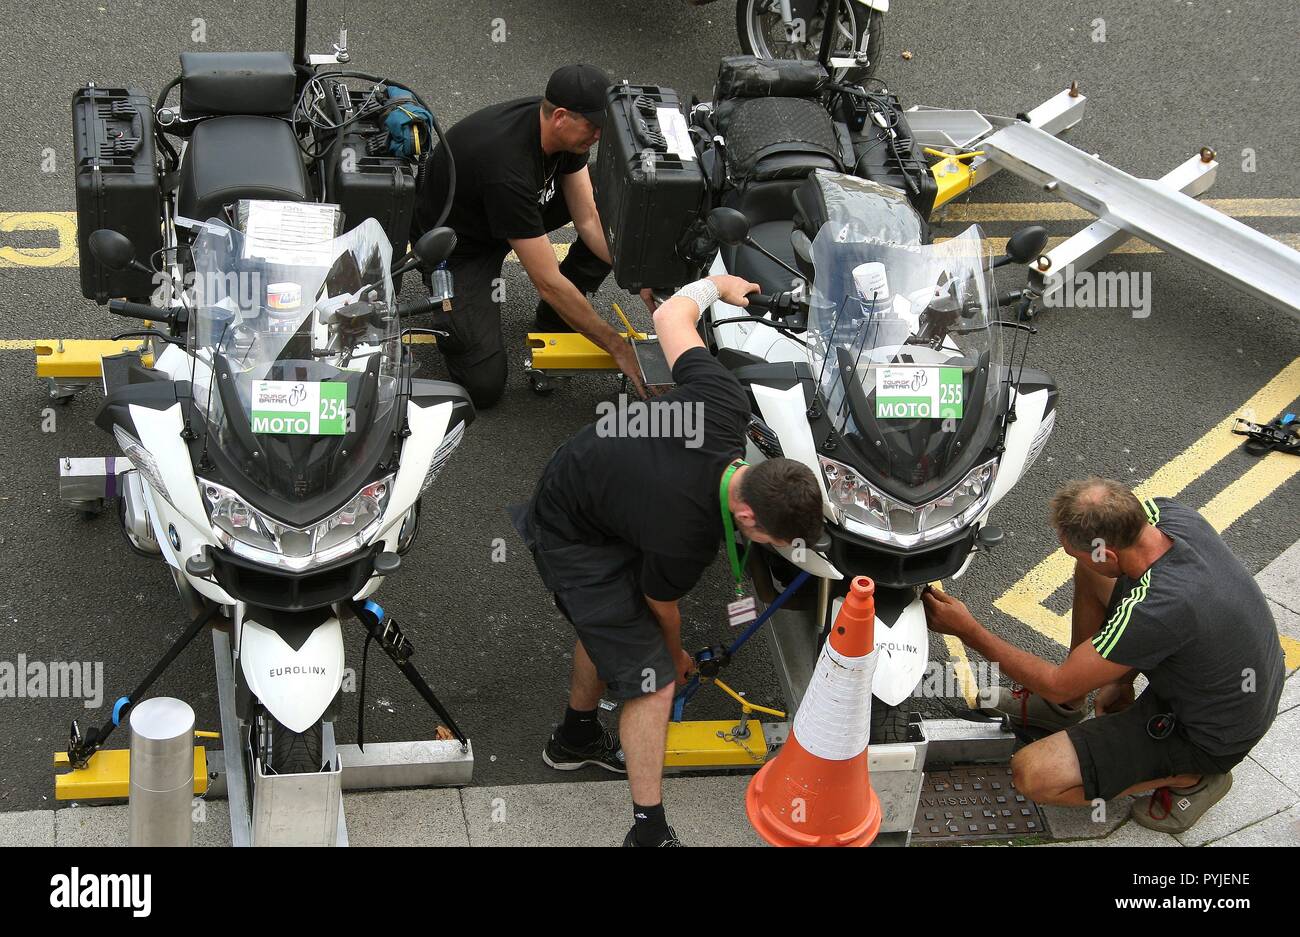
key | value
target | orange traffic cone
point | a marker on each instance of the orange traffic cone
(817, 790)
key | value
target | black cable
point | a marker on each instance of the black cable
(162, 98)
(433, 119)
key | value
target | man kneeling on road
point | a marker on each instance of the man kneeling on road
(521, 172)
(1156, 591)
(621, 528)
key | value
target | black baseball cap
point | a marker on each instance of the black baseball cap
(581, 89)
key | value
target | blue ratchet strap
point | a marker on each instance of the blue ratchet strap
(121, 704)
(686, 693)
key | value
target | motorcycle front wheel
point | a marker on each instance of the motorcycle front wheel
(888, 723)
(860, 28)
(292, 752)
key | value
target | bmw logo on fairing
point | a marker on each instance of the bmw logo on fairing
(173, 536)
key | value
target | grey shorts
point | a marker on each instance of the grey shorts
(597, 588)
(1116, 751)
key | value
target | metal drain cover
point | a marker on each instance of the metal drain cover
(974, 802)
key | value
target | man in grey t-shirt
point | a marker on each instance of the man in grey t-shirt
(1156, 592)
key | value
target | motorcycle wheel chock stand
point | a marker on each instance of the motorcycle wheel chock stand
(726, 743)
(99, 774)
(373, 766)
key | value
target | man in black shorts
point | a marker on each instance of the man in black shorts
(622, 526)
(521, 172)
(1157, 592)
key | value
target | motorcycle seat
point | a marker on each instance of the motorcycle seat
(239, 157)
(780, 138)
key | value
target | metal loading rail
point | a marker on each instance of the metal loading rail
(1155, 211)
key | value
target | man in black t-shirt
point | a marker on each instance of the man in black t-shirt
(1157, 592)
(622, 525)
(521, 172)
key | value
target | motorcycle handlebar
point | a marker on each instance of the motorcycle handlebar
(143, 311)
(419, 307)
(761, 300)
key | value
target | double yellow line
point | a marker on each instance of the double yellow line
(1026, 600)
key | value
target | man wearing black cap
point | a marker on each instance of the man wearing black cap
(521, 172)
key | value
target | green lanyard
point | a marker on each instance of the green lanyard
(729, 530)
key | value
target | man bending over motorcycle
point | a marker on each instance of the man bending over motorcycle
(622, 526)
(521, 172)
(1157, 592)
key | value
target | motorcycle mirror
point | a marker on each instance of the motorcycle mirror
(1024, 245)
(434, 247)
(728, 226)
(112, 249)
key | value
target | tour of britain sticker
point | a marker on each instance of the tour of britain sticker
(300, 408)
(918, 392)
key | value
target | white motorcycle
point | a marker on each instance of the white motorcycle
(878, 361)
(278, 453)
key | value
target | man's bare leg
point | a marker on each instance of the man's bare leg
(1048, 772)
(585, 687)
(643, 730)
(1091, 597)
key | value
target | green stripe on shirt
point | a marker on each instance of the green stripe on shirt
(1105, 641)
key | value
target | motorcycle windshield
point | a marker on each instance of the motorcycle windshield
(296, 347)
(905, 354)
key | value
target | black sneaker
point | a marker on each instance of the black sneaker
(605, 752)
(670, 840)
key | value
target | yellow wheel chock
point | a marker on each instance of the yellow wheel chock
(107, 776)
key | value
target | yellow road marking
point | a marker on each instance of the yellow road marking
(561, 251)
(1025, 600)
(62, 227)
(1064, 211)
(996, 246)
(62, 224)
(965, 675)
(1291, 650)
(17, 344)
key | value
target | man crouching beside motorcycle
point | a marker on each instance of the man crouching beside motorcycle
(1157, 592)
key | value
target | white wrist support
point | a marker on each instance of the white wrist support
(704, 293)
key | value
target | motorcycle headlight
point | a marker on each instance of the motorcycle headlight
(877, 515)
(143, 460)
(252, 534)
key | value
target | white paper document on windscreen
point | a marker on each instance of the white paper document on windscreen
(291, 233)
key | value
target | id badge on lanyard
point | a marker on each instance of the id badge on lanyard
(743, 609)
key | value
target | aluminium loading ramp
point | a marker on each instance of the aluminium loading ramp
(1154, 211)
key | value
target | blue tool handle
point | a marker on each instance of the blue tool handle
(686, 693)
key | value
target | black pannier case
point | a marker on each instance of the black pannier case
(648, 191)
(117, 185)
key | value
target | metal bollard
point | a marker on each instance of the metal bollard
(162, 772)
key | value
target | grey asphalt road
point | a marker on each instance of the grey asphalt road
(1170, 77)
